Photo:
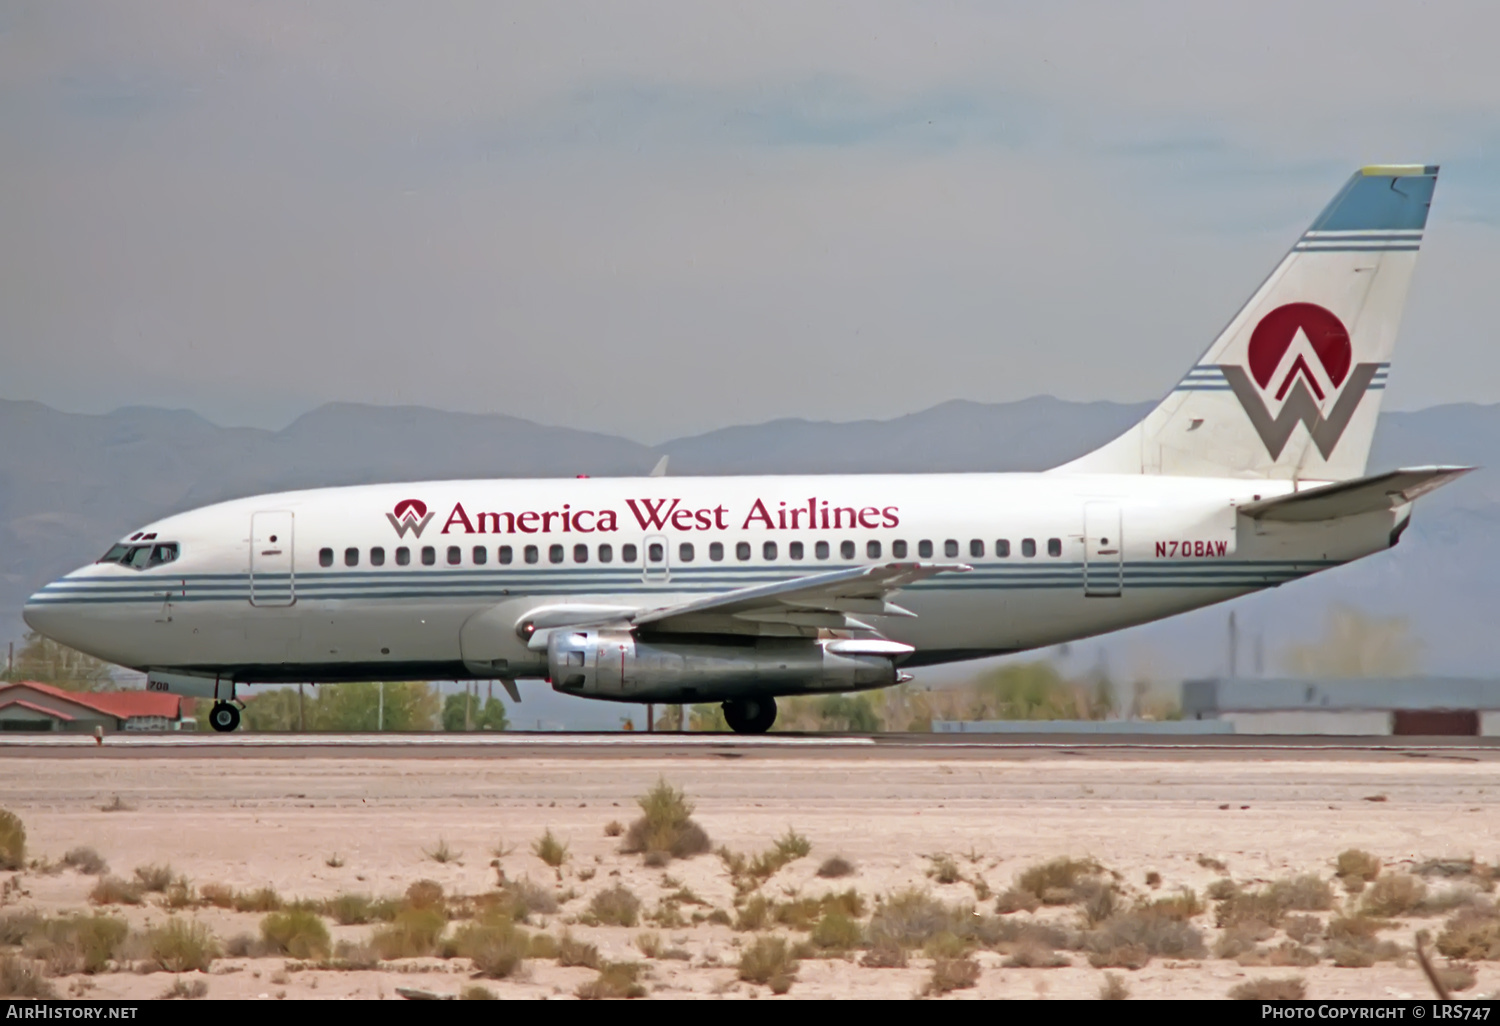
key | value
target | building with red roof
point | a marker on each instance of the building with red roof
(30, 706)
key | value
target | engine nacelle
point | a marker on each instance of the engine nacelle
(616, 664)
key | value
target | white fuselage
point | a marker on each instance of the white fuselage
(1055, 557)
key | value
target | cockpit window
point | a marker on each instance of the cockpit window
(142, 557)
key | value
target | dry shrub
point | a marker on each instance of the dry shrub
(1303, 928)
(614, 828)
(1240, 939)
(20, 978)
(521, 899)
(1471, 933)
(90, 942)
(572, 951)
(792, 846)
(1456, 976)
(1221, 889)
(1016, 900)
(836, 931)
(549, 849)
(16, 927)
(1265, 988)
(86, 861)
(12, 841)
(543, 945)
(262, 899)
(497, 948)
(1464, 895)
(666, 827)
(836, 867)
(351, 909)
(1305, 893)
(947, 945)
(1008, 934)
(755, 914)
(1183, 905)
(216, 894)
(1469, 870)
(1392, 896)
(243, 945)
(425, 894)
(911, 918)
(1290, 953)
(1059, 882)
(413, 933)
(1036, 956)
(354, 956)
(616, 906)
(615, 980)
(649, 944)
(1154, 930)
(154, 877)
(296, 932)
(1217, 865)
(474, 992)
(769, 961)
(179, 895)
(884, 953)
(1125, 956)
(442, 853)
(1355, 868)
(182, 945)
(950, 974)
(185, 990)
(944, 870)
(1114, 988)
(1353, 943)
(111, 890)
(1246, 907)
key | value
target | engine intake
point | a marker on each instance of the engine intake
(616, 664)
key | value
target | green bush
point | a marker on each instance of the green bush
(20, 978)
(351, 909)
(86, 861)
(550, 850)
(297, 933)
(949, 974)
(666, 828)
(111, 890)
(413, 933)
(154, 877)
(12, 841)
(616, 906)
(496, 948)
(181, 946)
(264, 899)
(1060, 881)
(615, 980)
(769, 961)
(837, 932)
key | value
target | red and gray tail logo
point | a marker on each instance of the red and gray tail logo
(409, 515)
(1299, 389)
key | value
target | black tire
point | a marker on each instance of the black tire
(750, 715)
(224, 717)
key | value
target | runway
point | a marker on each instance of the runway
(616, 745)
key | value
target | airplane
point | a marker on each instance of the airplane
(740, 590)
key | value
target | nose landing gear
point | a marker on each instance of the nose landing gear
(224, 717)
(750, 715)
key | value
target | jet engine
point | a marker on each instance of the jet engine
(613, 663)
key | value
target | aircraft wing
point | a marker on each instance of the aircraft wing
(830, 599)
(1360, 495)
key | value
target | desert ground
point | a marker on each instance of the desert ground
(939, 846)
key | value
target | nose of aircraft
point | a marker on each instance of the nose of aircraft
(44, 614)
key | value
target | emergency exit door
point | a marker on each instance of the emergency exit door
(1103, 550)
(272, 579)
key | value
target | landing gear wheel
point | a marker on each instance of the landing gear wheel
(224, 717)
(750, 715)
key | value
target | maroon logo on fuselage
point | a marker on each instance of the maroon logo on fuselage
(409, 515)
(1300, 391)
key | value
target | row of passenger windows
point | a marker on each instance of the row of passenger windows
(687, 552)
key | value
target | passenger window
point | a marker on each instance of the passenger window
(481, 555)
(898, 549)
(950, 547)
(846, 549)
(606, 553)
(580, 553)
(1054, 546)
(1028, 547)
(377, 556)
(821, 550)
(685, 552)
(429, 555)
(768, 550)
(794, 550)
(742, 551)
(325, 557)
(924, 548)
(455, 555)
(872, 549)
(351, 557)
(504, 554)
(976, 547)
(403, 556)
(531, 553)
(628, 553)
(555, 553)
(1002, 547)
(655, 553)
(716, 551)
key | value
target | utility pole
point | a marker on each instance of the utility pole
(650, 718)
(380, 709)
(468, 708)
(301, 712)
(1234, 647)
(10, 662)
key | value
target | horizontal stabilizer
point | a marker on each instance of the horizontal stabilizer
(1361, 495)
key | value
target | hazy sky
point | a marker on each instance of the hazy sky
(656, 219)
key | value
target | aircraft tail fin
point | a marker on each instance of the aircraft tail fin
(1292, 386)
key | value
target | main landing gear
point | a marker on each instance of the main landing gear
(224, 717)
(750, 715)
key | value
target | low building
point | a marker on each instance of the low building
(1403, 706)
(30, 706)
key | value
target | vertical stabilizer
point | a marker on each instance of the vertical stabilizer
(1292, 387)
